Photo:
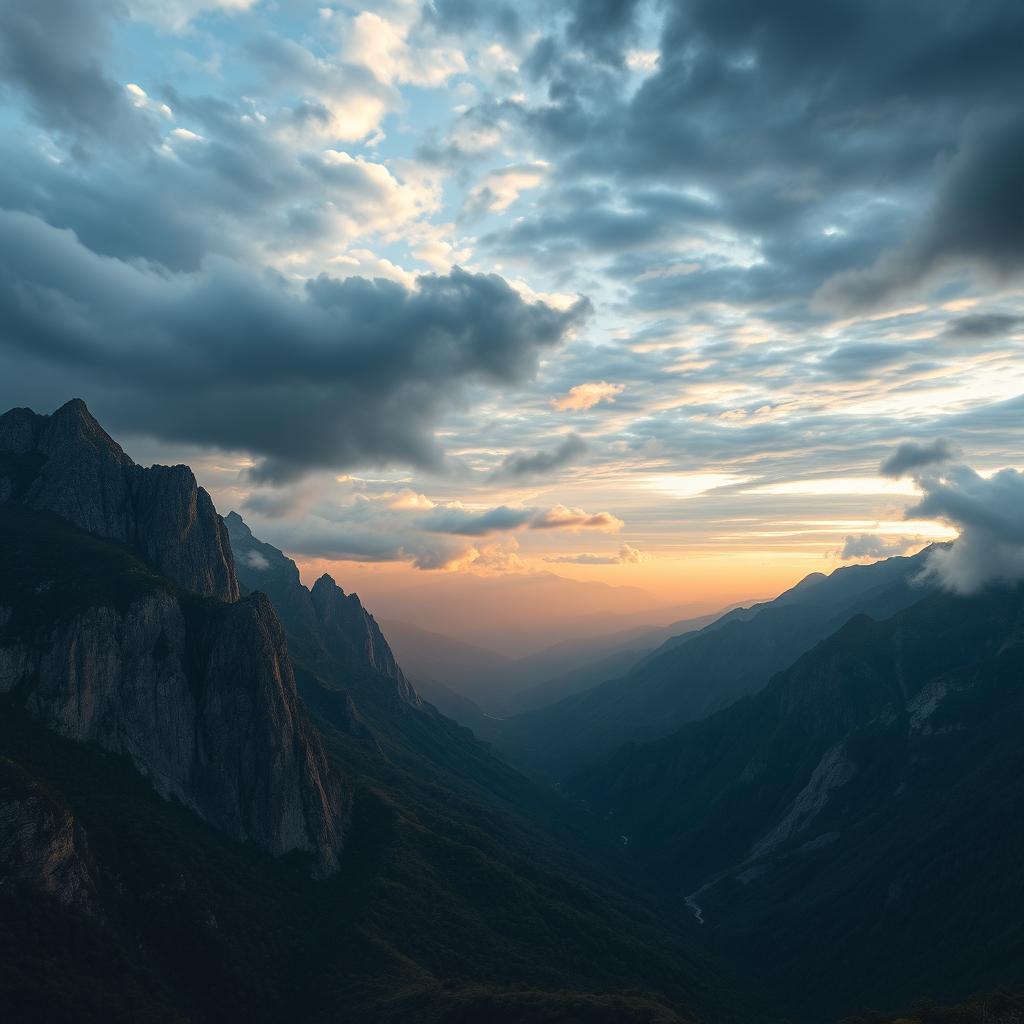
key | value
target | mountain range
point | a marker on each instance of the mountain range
(221, 799)
(695, 673)
(858, 821)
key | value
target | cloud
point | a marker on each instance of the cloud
(586, 396)
(989, 514)
(626, 555)
(331, 375)
(51, 52)
(561, 518)
(175, 15)
(519, 466)
(869, 545)
(255, 560)
(457, 520)
(975, 222)
(383, 46)
(465, 523)
(984, 325)
(499, 189)
(911, 456)
(602, 28)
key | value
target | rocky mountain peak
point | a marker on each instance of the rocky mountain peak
(234, 522)
(199, 693)
(68, 464)
(333, 627)
(326, 588)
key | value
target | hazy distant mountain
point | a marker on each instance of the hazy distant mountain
(496, 686)
(579, 665)
(859, 821)
(696, 674)
(520, 614)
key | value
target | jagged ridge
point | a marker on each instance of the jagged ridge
(68, 464)
(333, 627)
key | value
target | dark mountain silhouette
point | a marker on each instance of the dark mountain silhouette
(194, 685)
(165, 790)
(67, 463)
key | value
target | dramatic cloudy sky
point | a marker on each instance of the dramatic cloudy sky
(641, 292)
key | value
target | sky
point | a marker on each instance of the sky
(639, 293)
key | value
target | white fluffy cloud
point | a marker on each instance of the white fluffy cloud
(989, 514)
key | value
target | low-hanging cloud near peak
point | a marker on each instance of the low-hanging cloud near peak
(988, 511)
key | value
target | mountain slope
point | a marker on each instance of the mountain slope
(697, 673)
(854, 824)
(159, 788)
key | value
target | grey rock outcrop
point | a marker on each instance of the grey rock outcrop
(66, 463)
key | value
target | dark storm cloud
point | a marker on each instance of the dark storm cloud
(603, 28)
(51, 52)
(462, 16)
(520, 465)
(911, 456)
(797, 119)
(983, 325)
(338, 374)
(977, 220)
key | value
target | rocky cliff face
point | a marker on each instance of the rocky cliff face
(331, 625)
(350, 631)
(66, 463)
(195, 686)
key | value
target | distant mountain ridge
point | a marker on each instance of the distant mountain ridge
(874, 788)
(697, 673)
(327, 623)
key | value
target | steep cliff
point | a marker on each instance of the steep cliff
(333, 628)
(66, 463)
(199, 694)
